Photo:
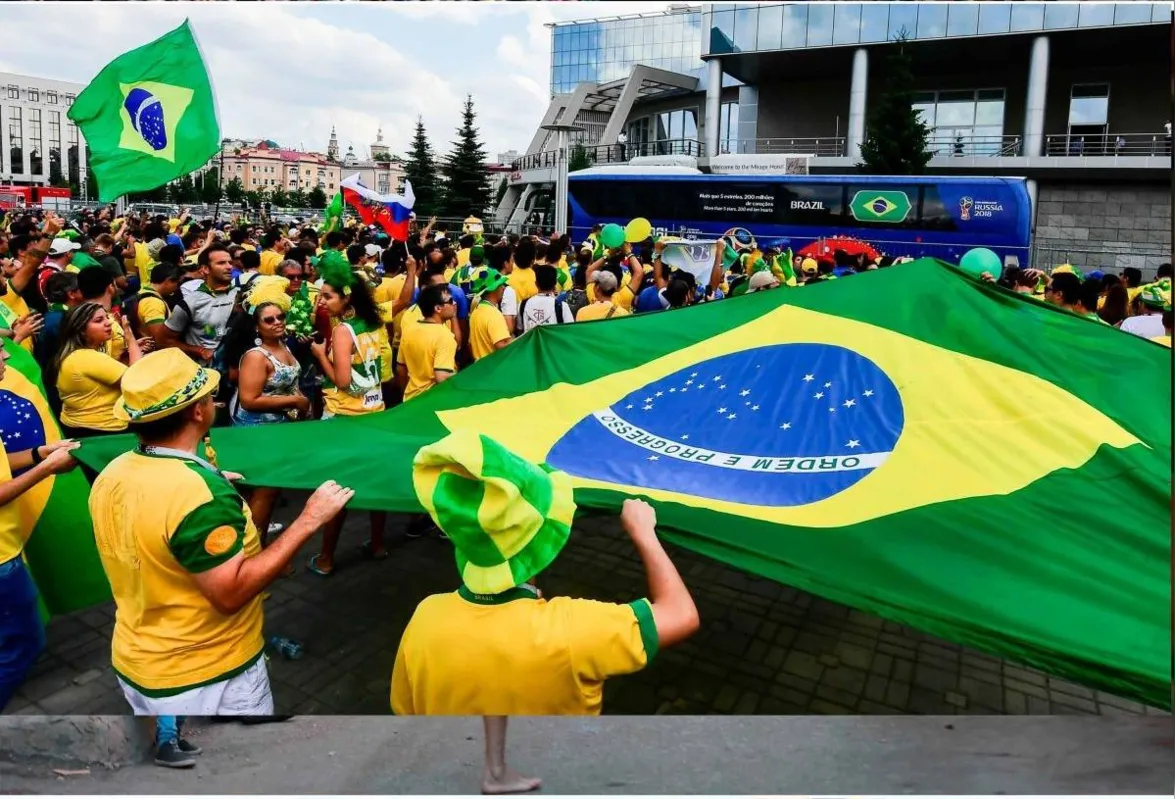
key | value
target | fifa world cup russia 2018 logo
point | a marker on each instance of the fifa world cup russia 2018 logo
(965, 206)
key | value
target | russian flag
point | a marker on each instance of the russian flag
(391, 211)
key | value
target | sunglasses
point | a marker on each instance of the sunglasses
(271, 320)
(293, 278)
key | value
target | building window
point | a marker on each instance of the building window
(69, 98)
(13, 92)
(34, 95)
(15, 140)
(1089, 118)
(51, 97)
(728, 128)
(968, 122)
(674, 128)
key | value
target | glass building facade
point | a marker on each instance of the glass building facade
(605, 50)
(746, 27)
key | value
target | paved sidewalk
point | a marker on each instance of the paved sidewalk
(331, 755)
(764, 648)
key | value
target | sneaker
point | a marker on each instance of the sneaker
(188, 748)
(275, 528)
(169, 755)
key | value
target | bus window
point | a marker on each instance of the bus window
(934, 214)
(818, 204)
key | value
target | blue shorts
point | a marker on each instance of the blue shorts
(22, 636)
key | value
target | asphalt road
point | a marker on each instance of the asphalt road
(633, 755)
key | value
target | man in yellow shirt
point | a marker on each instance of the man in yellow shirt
(428, 351)
(182, 555)
(517, 653)
(488, 332)
(522, 275)
(150, 309)
(274, 252)
(603, 307)
(21, 631)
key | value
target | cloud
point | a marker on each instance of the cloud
(289, 72)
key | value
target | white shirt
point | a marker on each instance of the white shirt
(1149, 326)
(509, 305)
(540, 310)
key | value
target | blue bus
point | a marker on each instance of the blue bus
(902, 216)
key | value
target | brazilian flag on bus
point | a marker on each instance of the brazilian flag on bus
(908, 441)
(54, 515)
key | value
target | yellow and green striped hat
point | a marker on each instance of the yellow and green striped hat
(507, 517)
(1157, 294)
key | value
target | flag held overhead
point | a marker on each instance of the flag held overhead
(149, 116)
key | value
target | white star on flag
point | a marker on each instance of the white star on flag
(828, 385)
(850, 403)
(659, 393)
(731, 415)
(648, 407)
(818, 395)
(744, 392)
(628, 407)
(754, 407)
(869, 393)
(809, 378)
(785, 426)
(654, 458)
(832, 409)
(685, 437)
(722, 410)
(853, 444)
(717, 379)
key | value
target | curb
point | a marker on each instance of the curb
(109, 741)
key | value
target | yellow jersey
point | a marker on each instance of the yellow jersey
(167, 636)
(487, 327)
(13, 533)
(365, 394)
(516, 654)
(425, 349)
(88, 383)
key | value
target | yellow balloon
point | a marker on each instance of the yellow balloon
(638, 229)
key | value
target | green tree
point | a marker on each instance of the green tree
(420, 169)
(465, 171)
(298, 199)
(578, 158)
(182, 191)
(280, 198)
(256, 199)
(234, 191)
(210, 192)
(316, 198)
(160, 194)
(895, 136)
(503, 184)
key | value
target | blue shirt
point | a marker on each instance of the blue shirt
(458, 294)
(176, 240)
(650, 299)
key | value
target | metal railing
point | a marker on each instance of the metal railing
(827, 146)
(1107, 144)
(970, 146)
(598, 154)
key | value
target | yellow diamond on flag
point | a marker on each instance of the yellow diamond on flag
(880, 206)
(150, 113)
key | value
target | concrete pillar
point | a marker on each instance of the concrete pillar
(748, 118)
(857, 96)
(1038, 79)
(713, 105)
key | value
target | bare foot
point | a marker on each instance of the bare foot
(509, 781)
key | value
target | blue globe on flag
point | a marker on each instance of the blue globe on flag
(146, 113)
(780, 426)
(21, 427)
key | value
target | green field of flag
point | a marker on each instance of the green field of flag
(60, 552)
(940, 452)
(149, 116)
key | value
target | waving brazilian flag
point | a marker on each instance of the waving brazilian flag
(150, 116)
(941, 452)
(55, 519)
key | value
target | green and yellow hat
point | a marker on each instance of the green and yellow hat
(507, 518)
(1156, 295)
(487, 279)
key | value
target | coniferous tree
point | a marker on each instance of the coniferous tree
(234, 191)
(316, 197)
(466, 174)
(895, 136)
(420, 169)
(210, 192)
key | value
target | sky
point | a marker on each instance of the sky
(288, 71)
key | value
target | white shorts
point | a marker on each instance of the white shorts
(246, 694)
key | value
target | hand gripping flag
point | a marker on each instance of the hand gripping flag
(908, 457)
(150, 116)
(392, 212)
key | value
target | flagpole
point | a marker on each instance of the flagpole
(220, 179)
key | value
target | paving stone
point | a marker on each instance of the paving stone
(775, 657)
(903, 671)
(813, 643)
(852, 655)
(865, 619)
(955, 698)
(981, 675)
(791, 696)
(881, 665)
(828, 708)
(1015, 702)
(1118, 702)
(831, 661)
(982, 693)
(727, 699)
(1025, 675)
(846, 678)
(936, 680)
(770, 706)
(1037, 706)
(875, 688)
(876, 708)
(756, 652)
(1068, 704)
(897, 694)
(1027, 689)
(803, 664)
(929, 703)
(747, 704)
(837, 695)
(1069, 689)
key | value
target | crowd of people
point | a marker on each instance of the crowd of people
(167, 327)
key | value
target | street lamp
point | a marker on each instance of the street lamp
(561, 130)
(220, 180)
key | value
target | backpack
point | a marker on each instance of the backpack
(130, 309)
(522, 314)
(576, 299)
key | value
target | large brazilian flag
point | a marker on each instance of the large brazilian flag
(60, 549)
(909, 442)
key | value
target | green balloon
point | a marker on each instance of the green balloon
(975, 262)
(612, 236)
